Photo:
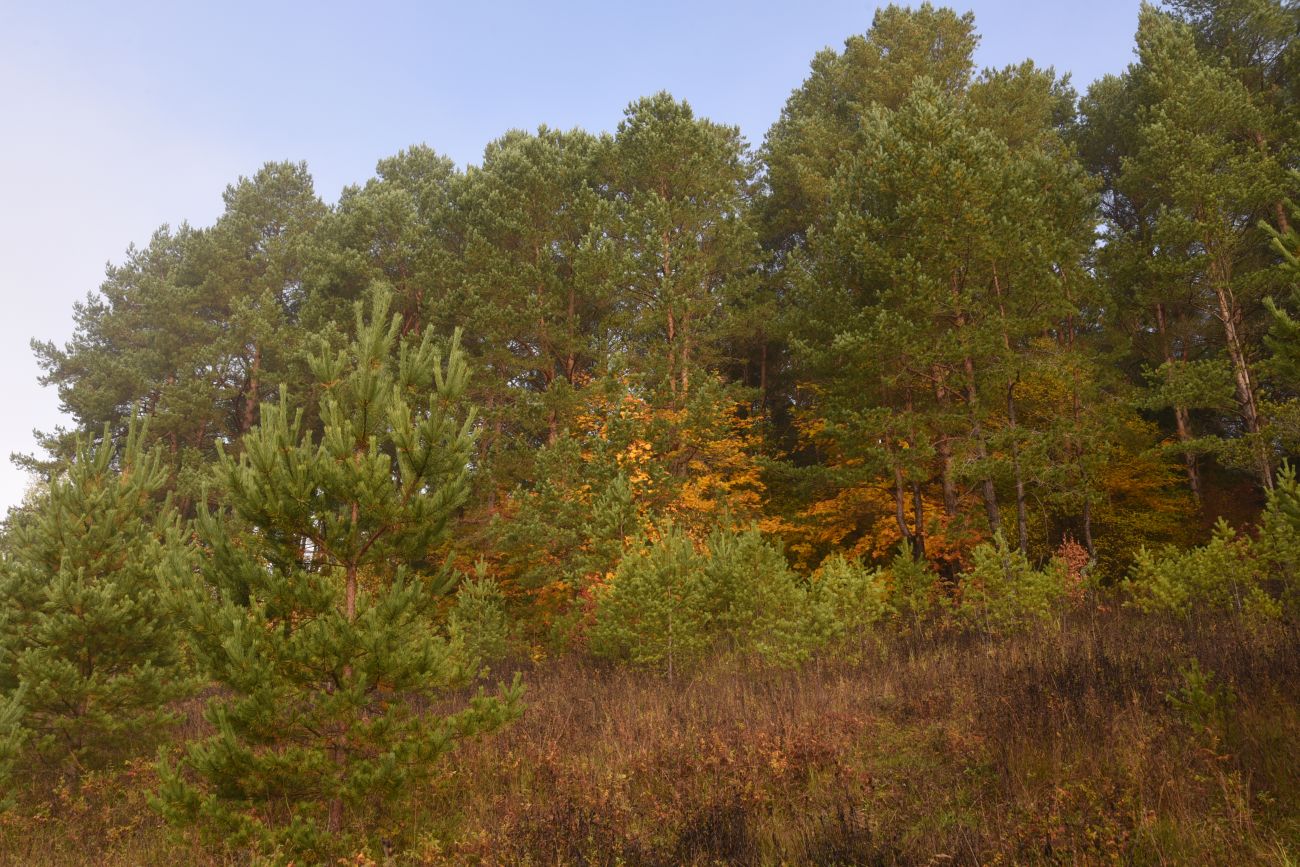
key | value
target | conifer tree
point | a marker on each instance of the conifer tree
(535, 290)
(681, 186)
(919, 307)
(89, 655)
(196, 329)
(317, 617)
(815, 135)
(1188, 148)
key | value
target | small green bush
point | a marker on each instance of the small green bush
(1202, 702)
(669, 602)
(1221, 574)
(848, 598)
(915, 595)
(655, 610)
(756, 603)
(1279, 535)
(1002, 592)
(478, 621)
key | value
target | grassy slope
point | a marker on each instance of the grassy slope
(1083, 746)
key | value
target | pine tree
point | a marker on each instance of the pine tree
(681, 185)
(89, 656)
(656, 607)
(1193, 160)
(816, 133)
(535, 290)
(920, 307)
(196, 329)
(317, 617)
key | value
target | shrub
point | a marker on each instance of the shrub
(847, 598)
(916, 595)
(755, 602)
(1279, 536)
(1002, 592)
(89, 656)
(668, 602)
(1202, 702)
(477, 622)
(655, 609)
(1220, 574)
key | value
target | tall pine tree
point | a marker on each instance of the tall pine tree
(317, 616)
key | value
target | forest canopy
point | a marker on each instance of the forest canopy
(951, 351)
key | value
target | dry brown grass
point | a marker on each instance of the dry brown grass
(1054, 748)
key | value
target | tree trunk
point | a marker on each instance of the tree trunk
(1182, 418)
(1229, 315)
(1087, 528)
(918, 513)
(900, 510)
(250, 394)
(987, 490)
(340, 741)
(685, 357)
(1022, 525)
(943, 447)
(672, 341)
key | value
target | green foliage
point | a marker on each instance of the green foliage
(12, 739)
(1253, 577)
(915, 592)
(754, 600)
(668, 602)
(223, 300)
(1202, 384)
(656, 607)
(89, 653)
(478, 622)
(1002, 592)
(1202, 702)
(1278, 546)
(318, 613)
(848, 598)
(1222, 574)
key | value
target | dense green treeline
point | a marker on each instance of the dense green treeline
(953, 350)
(936, 304)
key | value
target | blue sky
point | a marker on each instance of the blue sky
(117, 118)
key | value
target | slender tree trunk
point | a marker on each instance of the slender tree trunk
(1076, 448)
(1022, 528)
(251, 394)
(1229, 315)
(1182, 418)
(340, 742)
(1087, 528)
(571, 357)
(987, 490)
(1283, 223)
(918, 513)
(1022, 525)
(672, 349)
(666, 266)
(972, 405)
(900, 510)
(685, 357)
(350, 601)
(943, 447)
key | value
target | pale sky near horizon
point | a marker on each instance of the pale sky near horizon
(118, 118)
